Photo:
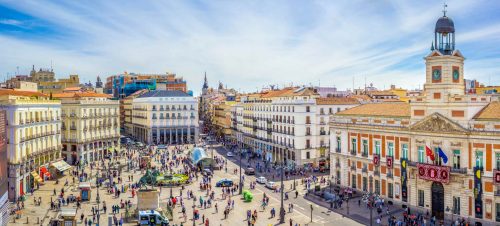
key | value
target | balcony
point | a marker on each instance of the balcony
(337, 164)
(376, 172)
(322, 132)
(353, 167)
(353, 152)
(390, 175)
(364, 170)
(364, 154)
(412, 163)
(338, 150)
(497, 192)
(72, 128)
(459, 170)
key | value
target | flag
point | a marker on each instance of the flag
(429, 153)
(442, 155)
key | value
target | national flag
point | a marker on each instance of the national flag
(429, 153)
(442, 155)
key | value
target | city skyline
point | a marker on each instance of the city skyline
(247, 45)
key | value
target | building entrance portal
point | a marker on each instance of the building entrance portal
(437, 200)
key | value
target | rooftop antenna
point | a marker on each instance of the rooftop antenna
(353, 83)
(365, 83)
(51, 69)
(17, 70)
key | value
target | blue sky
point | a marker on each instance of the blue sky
(247, 44)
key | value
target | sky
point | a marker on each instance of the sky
(247, 45)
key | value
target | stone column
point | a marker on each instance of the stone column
(170, 135)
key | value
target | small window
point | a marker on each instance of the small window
(421, 198)
(390, 149)
(404, 151)
(456, 159)
(479, 159)
(421, 154)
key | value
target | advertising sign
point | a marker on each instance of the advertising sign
(478, 192)
(496, 177)
(376, 160)
(389, 162)
(404, 179)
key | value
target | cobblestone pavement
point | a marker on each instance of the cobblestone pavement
(301, 214)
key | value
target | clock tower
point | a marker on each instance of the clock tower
(444, 65)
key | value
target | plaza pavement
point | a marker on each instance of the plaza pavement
(40, 215)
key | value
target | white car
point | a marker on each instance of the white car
(261, 180)
(271, 185)
(230, 154)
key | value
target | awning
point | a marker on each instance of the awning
(60, 165)
(36, 177)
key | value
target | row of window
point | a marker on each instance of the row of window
(173, 107)
(422, 156)
(92, 111)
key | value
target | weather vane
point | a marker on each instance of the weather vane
(444, 8)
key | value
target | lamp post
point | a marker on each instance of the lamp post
(241, 182)
(294, 184)
(194, 205)
(311, 213)
(347, 202)
(282, 208)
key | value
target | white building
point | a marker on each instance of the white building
(91, 126)
(33, 138)
(290, 122)
(165, 117)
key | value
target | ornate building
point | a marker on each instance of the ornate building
(288, 123)
(90, 127)
(439, 152)
(165, 117)
(33, 138)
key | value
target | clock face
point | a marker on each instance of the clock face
(436, 74)
(456, 74)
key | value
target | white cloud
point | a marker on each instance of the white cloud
(243, 44)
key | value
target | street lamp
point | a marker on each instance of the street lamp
(294, 188)
(282, 208)
(241, 182)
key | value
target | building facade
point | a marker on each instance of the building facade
(125, 84)
(4, 184)
(126, 112)
(290, 124)
(439, 152)
(90, 126)
(33, 138)
(165, 117)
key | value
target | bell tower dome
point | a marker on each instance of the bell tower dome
(444, 34)
(444, 65)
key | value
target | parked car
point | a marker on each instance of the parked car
(250, 171)
(271, 185)
(224, 183)
(207, 172)
(230, 154)
(261, 180)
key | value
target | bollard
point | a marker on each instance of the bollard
(37, 220)
(27, 220)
